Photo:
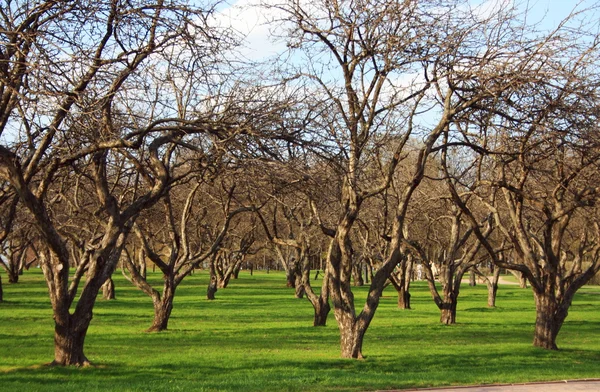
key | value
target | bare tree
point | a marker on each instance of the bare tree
(376, 65)
(80, 87)
(536, 170)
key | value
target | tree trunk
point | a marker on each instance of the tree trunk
(299, 288)
(68, 342)
(357, 277)
(492, 291)
(13, 276)
(492, 286)
(472, 279)
(163, 305)
(351, 337)
(549, 319)
(212, 283)
(1, 293)
(320, 303)
(448, 305)
(403, 297)
(212, 289)
(290, 278)
(522, 281)
(322, 309)
(108, 289)
(448, 311)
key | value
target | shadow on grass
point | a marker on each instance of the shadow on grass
(256, 372)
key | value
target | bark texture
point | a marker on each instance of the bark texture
(163, 305)
(108, 290)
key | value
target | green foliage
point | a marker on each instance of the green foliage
(256, 336)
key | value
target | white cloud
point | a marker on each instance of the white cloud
(250, 19)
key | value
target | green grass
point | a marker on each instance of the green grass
(256, 336)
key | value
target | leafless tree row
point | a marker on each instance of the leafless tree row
(392, 136)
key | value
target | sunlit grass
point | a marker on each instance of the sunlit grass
(256, 336)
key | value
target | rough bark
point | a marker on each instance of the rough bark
(322, 309)
(403, 298)
(550, 316)
(163, 306)
(108, 290)
(448, 308)
(68, 341)
(299, 287)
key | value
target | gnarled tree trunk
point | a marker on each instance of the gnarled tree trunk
(319, 302)
(163, 305)
(69, 336)
(549, 319)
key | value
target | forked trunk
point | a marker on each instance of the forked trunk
(108, 289)
(68, 342)
(351, 337)
(13, 276)
(448, 311)
(549, 319)
(163, 305)
(322, 309)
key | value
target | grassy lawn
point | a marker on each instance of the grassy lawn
(256, 336)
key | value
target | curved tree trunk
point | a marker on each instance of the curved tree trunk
(163, 305)
(322, 309)
(319, 302)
